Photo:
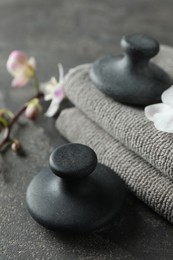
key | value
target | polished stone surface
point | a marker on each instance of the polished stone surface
(76, 194)
(73, 161)
(72, 32)
(131, 78)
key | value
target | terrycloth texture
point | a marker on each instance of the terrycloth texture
(124, 123)
(151, 186)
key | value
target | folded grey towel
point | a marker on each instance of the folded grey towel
(124, 123)
(148, 184)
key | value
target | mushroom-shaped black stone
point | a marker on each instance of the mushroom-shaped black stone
(131, 78)
(76, 194)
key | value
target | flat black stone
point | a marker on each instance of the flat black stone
(82, 205)
(131, 78)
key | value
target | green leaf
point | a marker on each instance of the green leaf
(3, 121)
(7, 112)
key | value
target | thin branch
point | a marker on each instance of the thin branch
(8, 129)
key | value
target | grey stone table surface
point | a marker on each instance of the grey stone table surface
(71, 32)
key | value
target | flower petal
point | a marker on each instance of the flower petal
(152, 110)
(167, 96)
(48, 88)
(20, 82)
(32, 63)
(53, 108)
(164, 122)
(61, 72)
(59, 93)
(16, 60)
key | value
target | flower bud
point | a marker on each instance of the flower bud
(33, 109)
(15, 146)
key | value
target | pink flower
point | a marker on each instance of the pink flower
(54, 91)
(33, 109)
(21, 68)
(161, 114)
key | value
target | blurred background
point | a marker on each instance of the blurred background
(75, 31)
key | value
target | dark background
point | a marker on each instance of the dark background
(75, 32)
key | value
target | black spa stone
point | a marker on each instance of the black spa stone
(73, 161)
(131, 78)
(76, 194)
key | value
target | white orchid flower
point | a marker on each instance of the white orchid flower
(161, 114)
(54, 91)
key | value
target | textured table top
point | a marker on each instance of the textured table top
(72, 32)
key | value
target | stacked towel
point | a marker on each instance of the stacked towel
(122, 137)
